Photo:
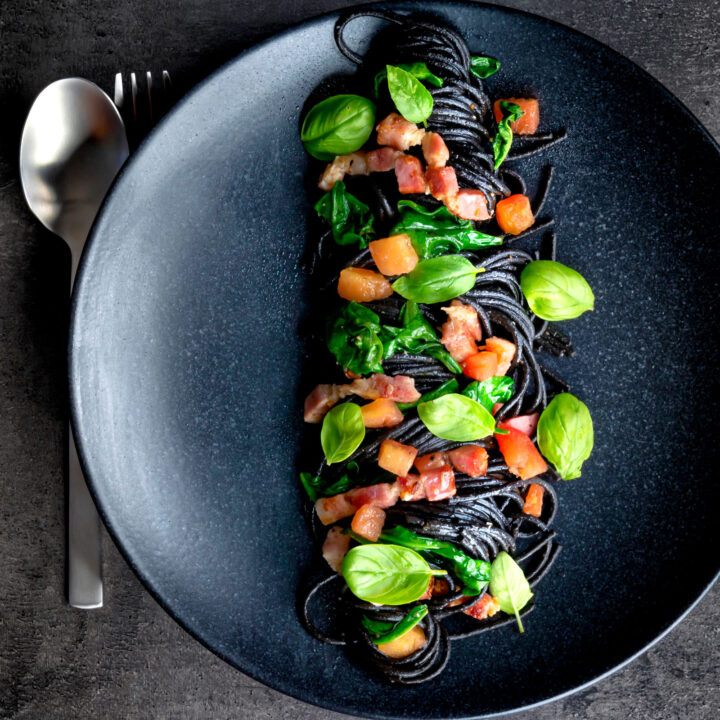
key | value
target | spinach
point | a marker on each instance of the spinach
(509, 586)
(419, 70)
(503, 140)
(497, 389)
(565, 434)
(451, 386)
(483, 66)
(342, 432)
(317, 487)
(352, 337)
(457, 418)
(382, 632)
(474, 574)
(436, 232)
(410, 96)
(554, 291)
(351, 220)
(437, 279)
(387, 574)
(338, 125)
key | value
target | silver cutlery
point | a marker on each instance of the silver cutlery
(142, 100)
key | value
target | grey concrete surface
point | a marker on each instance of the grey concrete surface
(130, 660)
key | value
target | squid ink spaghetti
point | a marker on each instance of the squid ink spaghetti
(442, 435)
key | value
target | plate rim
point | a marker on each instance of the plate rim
(75, 411)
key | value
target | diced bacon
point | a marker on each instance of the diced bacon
(524, 423)
(505, 351)
(337, 507)
(428, 593)
(435, 151)
(431, 461)
(395, 457)
(368, 522)
(439, 484)
(335, 547)
(484, 608)
(468, 204)
(400, 388)
(334, 172)
(399, 133)
(442, 182)
(411, 489)
(410, 176)
(437, 587)
(470, 459)
(461, 331)
(320, 400)
(382, 159)
(405, 645)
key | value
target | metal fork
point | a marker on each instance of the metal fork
(142, 101)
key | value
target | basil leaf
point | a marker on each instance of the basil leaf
(419, 70)
(451, 386)
(351, 220)
(456, 417)
(554, 291)
(509, 586)
(473, 573)
(352, 337)
(437, 279)
(384, 632)
(342, 432)
(437, 232)
(483, 66)
(338, 125)
(410, 96)
(503, 139)
(565, 434)
(318, 487)
(386, 574)
(497, 389)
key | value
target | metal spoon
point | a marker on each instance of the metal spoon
(73, 145)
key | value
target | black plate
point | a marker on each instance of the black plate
(186, 367)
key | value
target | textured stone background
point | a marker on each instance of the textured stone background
(130, 660)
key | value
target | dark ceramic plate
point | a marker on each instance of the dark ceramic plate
(186, 368)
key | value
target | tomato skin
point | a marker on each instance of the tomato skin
(521, 455)
(362, 285)
(514, 214)
(396, 458)
(481, 365)
(505, 351)
(534, 500)
(381, 413)
(524, 423)
(368, 522)
(394, 255)
(470, 459)
(528, 122)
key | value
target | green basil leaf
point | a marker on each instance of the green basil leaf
(386, 574)
(565, 434)
(437, 279)
(497, 389)
(318, 487)
(451, 386)
(483, 66)
(384, 632)
(353, 338)
(503, 139)
(554, 291)
(438, 232)
(338, 125)
(351, 220)
(509, 586)
(419, 70)
(473, 573)
(342, 432)
(410, 96)
(456, 417)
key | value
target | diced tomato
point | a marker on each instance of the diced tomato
(396, 458)
(524, 423)
(469, 459)
(435, 151)
(381, 413)
(410, 487)
(514, 214)
(481, 365)
(432, 461)
(485, 607)
(397, 132)
(442, 182)
(439, 483)
(505, 351)
(410, 175)
(394, 255)
(382, 159)
(528, 122)
(368, 522)
(534, 500)
(520, 453)
(335, 547)
(412, 641)
(468, 204)
(362, 285)
(461, 331)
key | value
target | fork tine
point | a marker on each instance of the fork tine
(119, 96)
(149, 84)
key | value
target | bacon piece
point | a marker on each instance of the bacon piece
(461, 330)
(335, 547)
(485, 607)
(399, 133)
(351, 164)
(431, 461)
(382, 159)
(505, 351)
(439, 484)
(524, 423)
(368, 522)
(400, 388)
(442, 182)
(437, 587)
(410, 176)
(470, 459)
(411, 488)
(320, 400)
(381, 413)
(435, 151)
(468, 204)
(337, 507)
(395, 457)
